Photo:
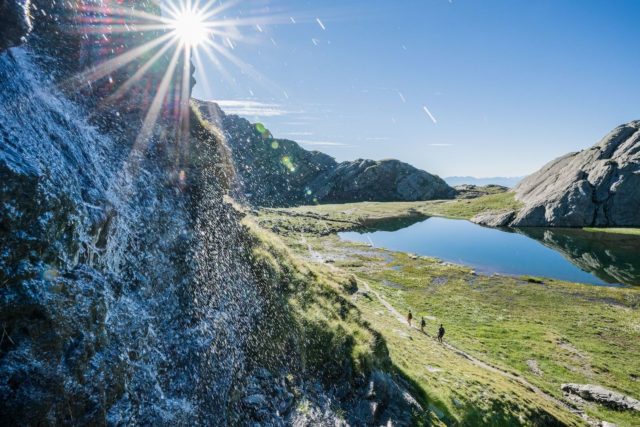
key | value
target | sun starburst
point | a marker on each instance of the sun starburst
(122, 35)
(189, 26)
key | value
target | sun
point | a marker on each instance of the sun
(189, 26)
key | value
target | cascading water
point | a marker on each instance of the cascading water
(129, 292)
(125, 292)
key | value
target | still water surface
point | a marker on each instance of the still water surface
(564, 254)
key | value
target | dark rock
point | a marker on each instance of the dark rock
(384, 400)
(15, 22)
(263, 374)
(364, 413)
(285, 405)
(255, 400)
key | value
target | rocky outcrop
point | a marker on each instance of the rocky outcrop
(494, 219)
(129, 290)
(598, 394)
(278, 172)
(468, 191)
(385, 180)
(15, 22)
(595, 187)
(382, 400)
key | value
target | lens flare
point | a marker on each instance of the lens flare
(189, 26)
(152, 52)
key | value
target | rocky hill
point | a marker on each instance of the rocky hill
(599, 186)
(278, 172)
(130, 292)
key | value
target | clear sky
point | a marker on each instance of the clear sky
(456, 87)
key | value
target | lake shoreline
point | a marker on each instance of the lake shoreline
(567, 331)
(596, 258)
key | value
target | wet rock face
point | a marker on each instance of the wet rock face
(595, 187)
(124, 287)
(15, 22)
(118, 274)
(276, 172)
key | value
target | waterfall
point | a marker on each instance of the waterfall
(125, 296)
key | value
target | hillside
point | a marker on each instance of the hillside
(512, 341)
(597, 187)
(132, 292)
(278, 172)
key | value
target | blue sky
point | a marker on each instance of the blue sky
(508, 84)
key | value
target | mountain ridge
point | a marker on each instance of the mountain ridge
(279, 172)
(505, 181)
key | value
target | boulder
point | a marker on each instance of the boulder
(598, 394)
(599, 186)
(494, 219)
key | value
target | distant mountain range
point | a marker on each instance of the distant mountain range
(498, 180)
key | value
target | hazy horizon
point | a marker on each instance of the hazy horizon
(458, 88)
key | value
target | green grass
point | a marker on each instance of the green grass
(574, 333)
(309, 326)
(307, 314)
(631, 231)
(326, 219)
(466, 209)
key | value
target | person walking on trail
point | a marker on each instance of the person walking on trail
(440, 333)
(423, 323)
(409, 318)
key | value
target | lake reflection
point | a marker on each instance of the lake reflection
(564, 254)
(614, 258)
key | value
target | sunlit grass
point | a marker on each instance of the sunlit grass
(630, 231)
(570, 332)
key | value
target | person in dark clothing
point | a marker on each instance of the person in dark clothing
(440, 333)
(409, 318)
(423, 323)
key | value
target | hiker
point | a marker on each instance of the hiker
(440, 333)
(423, 323)
(409, 318)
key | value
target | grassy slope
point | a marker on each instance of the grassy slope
(632, 231)
(311, 328)
(331, 218)
(574, 333)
